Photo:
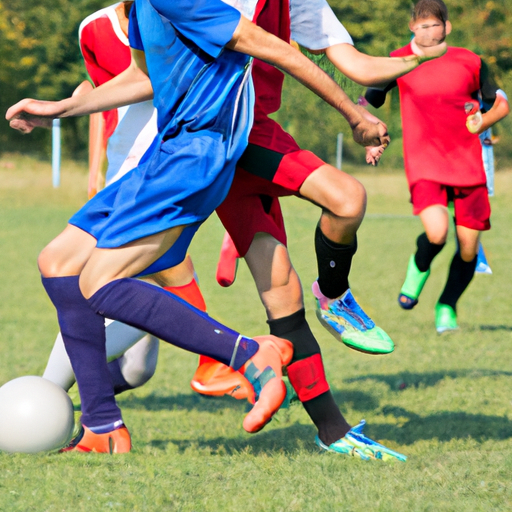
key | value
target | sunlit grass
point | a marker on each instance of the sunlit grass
(443, 400)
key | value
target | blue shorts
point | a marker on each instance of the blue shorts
(179, 182)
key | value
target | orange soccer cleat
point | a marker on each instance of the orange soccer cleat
(117, 441)
(216, 379)
(264, 372)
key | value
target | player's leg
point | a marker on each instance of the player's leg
(281, 293)
(430, 201)
(343, 202)
(122, 298)
(460, 274)
(435, 219)
(472, 214)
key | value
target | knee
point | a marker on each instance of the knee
(49, 262)
(437, 237)
(349, 203)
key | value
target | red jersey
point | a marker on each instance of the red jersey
(106, 53)
(274, 17)
(437, 145)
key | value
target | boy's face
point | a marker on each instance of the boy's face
(429, 31)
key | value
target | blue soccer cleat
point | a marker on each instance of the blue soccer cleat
(344, 318)
(356, 444)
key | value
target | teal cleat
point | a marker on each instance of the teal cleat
(446, 318)
(344, 318)
(413, 285)
(356, 444)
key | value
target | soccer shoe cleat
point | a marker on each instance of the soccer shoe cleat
(216, 379)
(228, 262)
(482, 265)
(264, 372)
(356, 444)
(414, 282)
(446, 318)
(117, 441)
(347, 322)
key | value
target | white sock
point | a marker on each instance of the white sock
(120, 338)
(138, 364)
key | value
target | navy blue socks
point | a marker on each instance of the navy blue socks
(83, 332)
(171, 319)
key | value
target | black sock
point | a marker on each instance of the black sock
(295, 328)
(460, 275)
(322, 410)
(334, 261)
(426, 252)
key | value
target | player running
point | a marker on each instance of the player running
(119, 138)
(143, 223)
(443, 159)
(274, 166)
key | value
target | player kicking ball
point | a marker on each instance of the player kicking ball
(443, 156)
(143, 223)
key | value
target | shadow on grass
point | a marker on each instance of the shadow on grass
(402, 380)
(443, 426)
(182, 401)
(496, 328)
(288, 440)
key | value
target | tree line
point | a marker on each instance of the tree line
(41, 59)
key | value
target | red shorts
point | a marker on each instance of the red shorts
(252, 204)
(471, 204)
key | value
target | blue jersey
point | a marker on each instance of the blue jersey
(204, 100)
(189, 68)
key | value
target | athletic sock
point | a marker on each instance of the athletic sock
(192, 294)
(189, 292)
(171, 319)
(460, 275)
(308, 378)
(83, 332)
(334, 261)
(426, 252)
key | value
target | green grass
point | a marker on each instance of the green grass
(443, 400)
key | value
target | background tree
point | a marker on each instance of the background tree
(40, 58)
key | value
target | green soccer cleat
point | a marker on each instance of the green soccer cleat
(446, 318)
(414, 282)
(356, 444)
(344, 318)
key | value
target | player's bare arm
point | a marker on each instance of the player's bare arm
(498, 111)
(252, 40)
(131, 86)
(373, 71)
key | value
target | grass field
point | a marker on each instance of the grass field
(444, 401)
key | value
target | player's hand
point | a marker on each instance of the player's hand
(373, 154)
(426, 53)
(28, 114)
(369, 130)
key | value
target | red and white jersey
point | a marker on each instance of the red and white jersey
(129, 130)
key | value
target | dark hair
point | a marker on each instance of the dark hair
(427, 8)
(127, 8)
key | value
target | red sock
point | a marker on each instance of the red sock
(192, 294)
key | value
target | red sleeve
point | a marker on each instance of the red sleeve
(105, 56)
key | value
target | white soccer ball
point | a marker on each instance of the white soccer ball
(36, 415)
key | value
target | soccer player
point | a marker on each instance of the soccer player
(122, 135)
(143, 222)
(443, 159)
(274, 166)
